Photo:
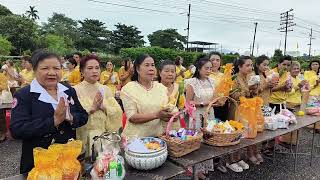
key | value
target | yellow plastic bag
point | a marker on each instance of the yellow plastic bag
(68, 160)
(226, 83)
(259, 114)
(45, 165)
(247, 116)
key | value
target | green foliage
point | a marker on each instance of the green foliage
(5, 46)
(32, 13)
(4, 11)
(126, 37)
(56, 44)
(94, 36)
(63, 26)
(20, 31)
(228, 58)
(168, 38)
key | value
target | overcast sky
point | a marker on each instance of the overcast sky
(229, 23)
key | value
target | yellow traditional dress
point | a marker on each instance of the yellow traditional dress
(280, 97)
(65, 75)
(112, 79)
(123, 73)
(264, 91)
(28, 76)
(136, 99)
(188, 74)
(3, 82)
(216, 76)
(75, 77)
(311, 77)
(99, 121)
(173, 99)
(179, 78)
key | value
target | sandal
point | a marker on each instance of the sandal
(254, 160)
(268, 152)
(243, 164)
(234, 167)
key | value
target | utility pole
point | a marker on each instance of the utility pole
(188, 29)
(254, 37)
(286, 21)
(310, 35)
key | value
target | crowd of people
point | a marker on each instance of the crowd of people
(58, 99)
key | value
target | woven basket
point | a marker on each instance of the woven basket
(176, 146)
(220, 139)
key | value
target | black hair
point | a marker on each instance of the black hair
(314, 60)
(72, 61)
(137, 64)
(201, 61)
(40, 55)
(239, 62)
(283, 58)
(214, 53)
(27, 58)
(259, 60)
(127, 63)
(162, 65)
(177, 61)
(78, 53)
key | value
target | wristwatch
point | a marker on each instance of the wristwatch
(201, 104)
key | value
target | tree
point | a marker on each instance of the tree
(94, 36)
(277, 54)
(126, 37)
(168, 38)
(4, 11)
(32, 13)
(56, 44)
(5, 46)
(21, 31)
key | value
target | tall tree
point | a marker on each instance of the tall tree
(94, 36)
(126, 37)
(168, 38)
(56, 44)
(4, 11)
(32, 13)
(21, 31)
(5, 46)
(61, 25)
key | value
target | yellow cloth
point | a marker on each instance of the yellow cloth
(264, 93)
(279, 97)
(105, 76)
(3, 82)
(75, 77)
(123, 73)
(216, 76)
(27, 75)
(174, 95)
(312, 77)
(188, 74)
(137, 99)
(65, 75)
(99, 121)
(179, 78)
(294, 96)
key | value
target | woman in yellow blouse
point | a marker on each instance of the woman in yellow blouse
(71, 65)
(110, 78)
(261, 68)
(190, 72)
(312, 77)
(27, 74)
(125, 72)
(179, 69)
(280, 93)
(105, 113)
(294, 97)
(167, 75)
(143, 100)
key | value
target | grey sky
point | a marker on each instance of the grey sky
(229, 23)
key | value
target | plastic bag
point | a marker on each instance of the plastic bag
(292, 118)
(45, 165)
(282, 121)
(259, 115)
(69, 163)
(247, 116)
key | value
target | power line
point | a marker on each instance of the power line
(286, 20)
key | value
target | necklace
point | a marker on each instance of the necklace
(147, 89)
